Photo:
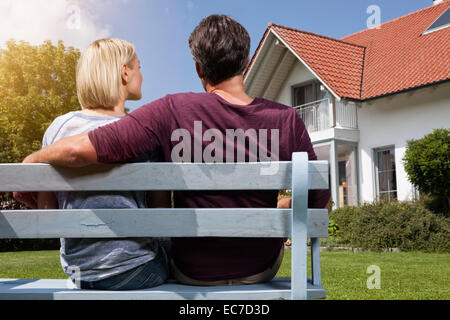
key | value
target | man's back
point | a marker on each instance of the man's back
(181, 125)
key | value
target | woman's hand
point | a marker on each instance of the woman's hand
(284, 203)
(30, 199)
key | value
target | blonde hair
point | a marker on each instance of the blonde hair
(99, 72)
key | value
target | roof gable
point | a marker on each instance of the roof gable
(337, 63)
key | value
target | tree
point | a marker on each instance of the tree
(37, 84)
(427, 163)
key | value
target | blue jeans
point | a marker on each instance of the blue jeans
(148, 275)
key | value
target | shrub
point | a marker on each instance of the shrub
(427, 163)
(333, 228)
(436, 204)
(381, 225)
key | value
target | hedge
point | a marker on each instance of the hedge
(409, 226)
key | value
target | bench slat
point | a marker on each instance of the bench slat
(111, 223)
(158, 176)
(43, 289)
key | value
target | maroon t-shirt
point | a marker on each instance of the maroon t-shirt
(151, 126)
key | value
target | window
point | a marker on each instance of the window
(386, 182)
(311, 102)
(442, 22)
(307, 93)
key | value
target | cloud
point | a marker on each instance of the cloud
(76, 22)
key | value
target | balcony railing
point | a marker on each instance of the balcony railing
(321, 115)
(346, 114)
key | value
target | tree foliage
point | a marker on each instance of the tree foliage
(427, 163)
(37, 84)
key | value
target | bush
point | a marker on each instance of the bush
(427, 163)
(409, 226)
(436, 204)
(333, 228)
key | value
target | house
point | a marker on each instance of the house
(363, 96)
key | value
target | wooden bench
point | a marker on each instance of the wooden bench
(297, 223)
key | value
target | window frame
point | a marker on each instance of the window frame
(442, 27)
(315, 84)
(376, 151)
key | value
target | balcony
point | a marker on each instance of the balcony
(325, 114)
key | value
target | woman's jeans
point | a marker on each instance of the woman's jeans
(148, 275)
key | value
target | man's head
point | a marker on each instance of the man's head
(220, 47)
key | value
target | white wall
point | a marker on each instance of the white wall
(299, 74)
(388, 121)
(393, 120)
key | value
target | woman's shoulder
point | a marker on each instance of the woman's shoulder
(55, 127)
(74, 123)
(60, 120)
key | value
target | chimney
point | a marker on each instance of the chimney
(437, 1)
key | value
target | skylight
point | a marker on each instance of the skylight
(442, 22)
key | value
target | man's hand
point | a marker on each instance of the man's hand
(284, 203)
(76, 151)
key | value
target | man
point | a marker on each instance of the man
(220, 47)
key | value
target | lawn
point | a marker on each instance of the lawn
(404, 275)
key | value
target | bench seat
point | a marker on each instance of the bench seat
(59, 289)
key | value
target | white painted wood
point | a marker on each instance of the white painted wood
(250, 74)
(300, 182)
(334, 158)
(332, 112)
(157, 176)
(24, 289)
(267, 54)
(315, 261)
(278, 65)
(112, 223)
(298, 222)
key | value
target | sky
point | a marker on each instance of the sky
(160, 29)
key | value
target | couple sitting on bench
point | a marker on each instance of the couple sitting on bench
(108, 74)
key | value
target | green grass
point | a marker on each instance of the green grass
(404, 275)
(31, 265)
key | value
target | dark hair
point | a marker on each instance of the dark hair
(221, 47)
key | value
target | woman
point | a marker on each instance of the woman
(108, 74)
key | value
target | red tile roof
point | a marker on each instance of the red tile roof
(339, 64)
(399, 56)
(376, 62)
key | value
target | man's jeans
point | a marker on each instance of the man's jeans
(148, 275)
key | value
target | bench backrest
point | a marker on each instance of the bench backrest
(299, 175)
